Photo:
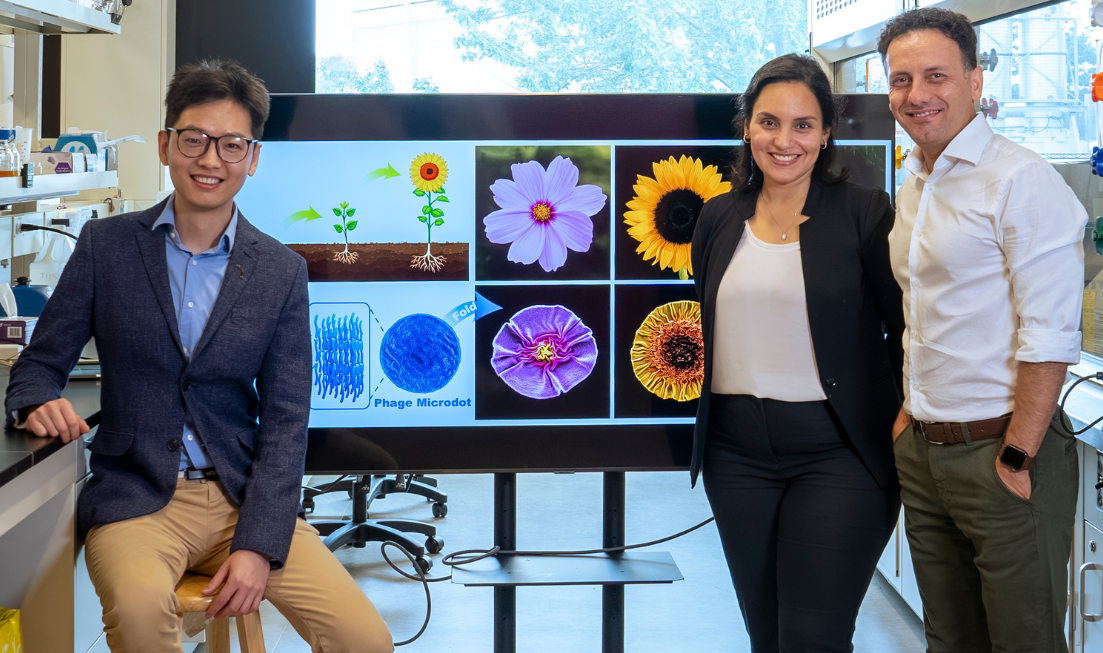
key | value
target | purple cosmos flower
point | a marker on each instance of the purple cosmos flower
(543, 213)
(544, 351)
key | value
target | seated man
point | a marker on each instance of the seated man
(202, 330)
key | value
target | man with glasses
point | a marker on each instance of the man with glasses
(202, 329)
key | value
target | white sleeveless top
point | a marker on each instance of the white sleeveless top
(762, 344)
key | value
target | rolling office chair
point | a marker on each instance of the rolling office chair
(360, 530)
(408, 484)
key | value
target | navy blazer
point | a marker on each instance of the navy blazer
(853, 303)
(246, 386)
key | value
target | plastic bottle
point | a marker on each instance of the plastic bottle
(9, 155)
(30, 299)
(51, 259)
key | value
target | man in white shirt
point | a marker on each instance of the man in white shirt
(987, 249)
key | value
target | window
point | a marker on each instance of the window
(551, 46)
(862, 74)
(1089, 188)
(1042, 83)
(1038, 67)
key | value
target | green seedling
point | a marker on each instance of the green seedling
(344, 212)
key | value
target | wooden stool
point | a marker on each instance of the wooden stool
(189, 592)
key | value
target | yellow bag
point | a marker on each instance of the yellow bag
(11, 640)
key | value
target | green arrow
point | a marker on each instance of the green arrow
(308, 215)
(385, 173)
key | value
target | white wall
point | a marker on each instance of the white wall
(117, 84)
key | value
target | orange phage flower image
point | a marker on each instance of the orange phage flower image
(665, 209)
(668, 352)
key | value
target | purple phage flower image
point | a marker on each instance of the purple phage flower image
(544, 351)
(543, 213)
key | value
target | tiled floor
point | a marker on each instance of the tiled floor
(698, 614)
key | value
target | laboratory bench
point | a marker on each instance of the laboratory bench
(41, 570)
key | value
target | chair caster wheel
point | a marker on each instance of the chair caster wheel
(425, 564)
(440, 509)
(434, 545)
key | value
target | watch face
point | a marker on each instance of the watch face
(1013, 457)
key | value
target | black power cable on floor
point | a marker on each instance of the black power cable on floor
(474, 555)
(328, 487)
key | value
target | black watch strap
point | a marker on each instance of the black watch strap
(1015, 458)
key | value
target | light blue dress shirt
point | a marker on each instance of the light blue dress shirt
(195, 280)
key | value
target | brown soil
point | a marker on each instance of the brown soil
(383, 262)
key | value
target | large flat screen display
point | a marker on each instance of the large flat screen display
(496, 285)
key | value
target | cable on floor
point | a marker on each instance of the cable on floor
(469, 556)
(328, 487)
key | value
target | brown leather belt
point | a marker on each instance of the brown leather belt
(941, 433)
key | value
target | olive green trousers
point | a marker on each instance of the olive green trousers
(991, 566)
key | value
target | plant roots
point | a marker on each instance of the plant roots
(428, 262)
(346, 257)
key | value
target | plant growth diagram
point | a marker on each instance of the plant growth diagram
(428, 173)
(344, 212)
(373, 243)
(346, 226)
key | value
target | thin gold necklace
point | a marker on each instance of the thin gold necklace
(784, 230)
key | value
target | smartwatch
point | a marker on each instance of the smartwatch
(1015, 458)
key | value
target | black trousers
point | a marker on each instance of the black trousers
(802, 520)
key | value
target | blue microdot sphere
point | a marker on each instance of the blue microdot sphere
(420, 353)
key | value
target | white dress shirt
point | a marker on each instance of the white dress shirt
(988, 251)
(763, 344)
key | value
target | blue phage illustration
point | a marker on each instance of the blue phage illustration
(420, 353)
(339, 357)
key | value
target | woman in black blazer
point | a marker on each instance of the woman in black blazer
(802, 384)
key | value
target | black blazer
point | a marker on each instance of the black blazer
(853, 303)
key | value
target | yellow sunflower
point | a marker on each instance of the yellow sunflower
(665, 208)
(429, 172)
(668, 352)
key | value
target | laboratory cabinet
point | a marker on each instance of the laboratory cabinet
(1084, 620)
(896, 566)
(889, 564)
(1086, 564)
(909, 588)
(1089, 578)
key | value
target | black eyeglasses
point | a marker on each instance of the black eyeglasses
(193, 144)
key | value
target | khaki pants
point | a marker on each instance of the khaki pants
(991, 566)
(135, 565)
